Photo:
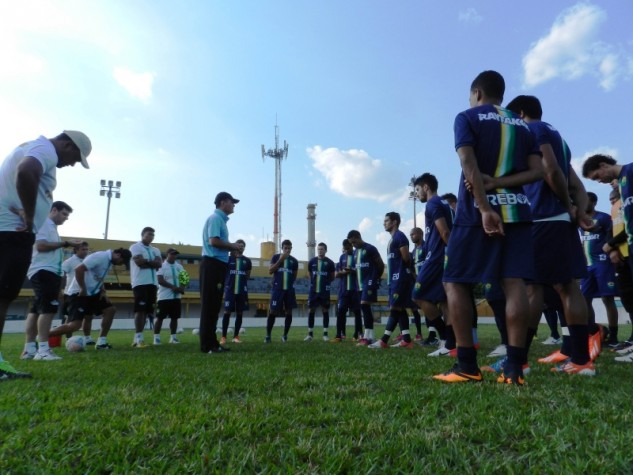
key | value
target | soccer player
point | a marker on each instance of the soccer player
(146, 260)
(600, 279)
(417, 255)
(399, 282)
(348, 296)
(236, 292)
(428, 292)
(369, 269)
(491, 238)
(321, 270)
(45, 274)
(27, 182)
(283, 268)
(170, 292)
(213, 268)
(68, 268)
(88, 296)
(558, 203)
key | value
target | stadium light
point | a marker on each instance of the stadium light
(109, 189)
(412, 197)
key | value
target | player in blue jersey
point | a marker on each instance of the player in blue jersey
(399, 281)
(321, 270)
(417, 256)
(348, 297)
(283, 268)
(369, 269)
(600, 279)
(491, 238)
(236, 292)
(558, 203)
(428, 292)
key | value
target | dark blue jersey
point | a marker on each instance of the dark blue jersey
(366, 272)
(348, 282)
(418, 254)
(625, 183)
(436, 208)
(593, 240)
(397, 269)
(502, 143)
(237, 276)
(320, 271)
(284, 277)
(543, 201)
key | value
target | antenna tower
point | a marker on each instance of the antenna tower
(277, 154)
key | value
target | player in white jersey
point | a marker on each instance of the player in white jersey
(170, 291)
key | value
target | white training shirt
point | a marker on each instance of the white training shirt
(68, 268)
(51, 260)
(42, 150)
(170, 274)
(143, 276)
(97, 266)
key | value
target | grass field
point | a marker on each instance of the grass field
(305, 408)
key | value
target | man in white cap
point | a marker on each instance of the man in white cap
(27, 181)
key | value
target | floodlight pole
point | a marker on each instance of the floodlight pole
(413, 197)
(109, 188)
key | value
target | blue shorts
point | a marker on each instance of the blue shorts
(428, 283)
(349, 300)
(600, 281)
(369, 293)
(282, 301)
(235, 303)
(400, 292)
(321, 299)
(558, 254)
(472, 256)
(493, 292)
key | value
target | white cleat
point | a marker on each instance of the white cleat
(47, 355)
(498, 352)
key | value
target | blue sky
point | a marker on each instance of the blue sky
(178, 96)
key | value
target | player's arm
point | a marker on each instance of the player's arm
(274, 266)
(405, 255)
(157, 263)
(27, 181)
(80, 277)
(580, 200)
(554, 176)
(442, 229)
(141, 262)
(533, 173)
(229, 246)
(379, 264)
(491, 221)
(48, 246)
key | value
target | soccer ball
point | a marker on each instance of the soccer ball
(75, 343)
(195, 331)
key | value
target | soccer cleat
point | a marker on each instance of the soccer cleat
(27, 355)
(236, 339)
(9, 372)
(378, 344)
(418, 337)
(404, 344)
(430, 342)
(363, 342)
(587, 369)
(336, 340)
(157, 341)
(308, 338)
(456, 375)
(452, 352)
(624, 359)
(223, 340)
(399, 338)
(174, 341)
(139, 344)
(554, 358)
(499, 365)
(625, 350)
(89, 341)
(595, 345)
(498, 351)
(550, 340)
(284, 339)
(326, 338)
(513, 379)
(47, 355)
(267, 339)
(612, 344)
(441, 351)
(105, 346)
(219, 349)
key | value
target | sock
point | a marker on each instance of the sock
(138, 337)
(102, 340)
(579, 339)
(310, 322)
(156, 337)
(404, 325)
(531, 333)
(225, 323)
(467, 358)
(44, 346)
(432, 333)
(385, 336)
(270, 323)
(173, 336)
(30, 347)
(311, 331)
(326, 320)
(368, 316)
(451, 343)
(287, 324)
(440, 326)
(238, 324)
(417, 321)
(516, 358)
(613, 334)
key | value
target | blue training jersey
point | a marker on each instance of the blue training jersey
(594, 239)
(436, 208)
(348, 282)
(284, 277)
(418, 254)
(543, 201)
(320, 271)
(237, 276)
(625, 182)
(366, 271)
(502, 143)
(397, 269)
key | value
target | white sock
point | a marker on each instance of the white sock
(173, 336)
(30, 347)
(138, 337)
(102, 340)
(44, 346)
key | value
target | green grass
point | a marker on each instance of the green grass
(305, 408)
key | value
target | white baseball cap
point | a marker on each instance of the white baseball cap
(83, 143)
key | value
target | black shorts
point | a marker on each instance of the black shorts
(171, 308)
(15, 257)
(80, 306)
(144, 298)
(46, 286)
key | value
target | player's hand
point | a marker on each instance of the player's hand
(615, 256)
(27, 224)
(492, 224)
(581, 218)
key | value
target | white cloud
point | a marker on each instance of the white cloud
(355, 174)
(576, 163)
(571, 50)
(364, 225)
(469, 15)
(138, 85)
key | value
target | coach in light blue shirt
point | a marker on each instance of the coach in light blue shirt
(213, 268)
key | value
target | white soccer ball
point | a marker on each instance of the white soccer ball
(180, 330)
(75, 344)
(242, 330)
(195, 331)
